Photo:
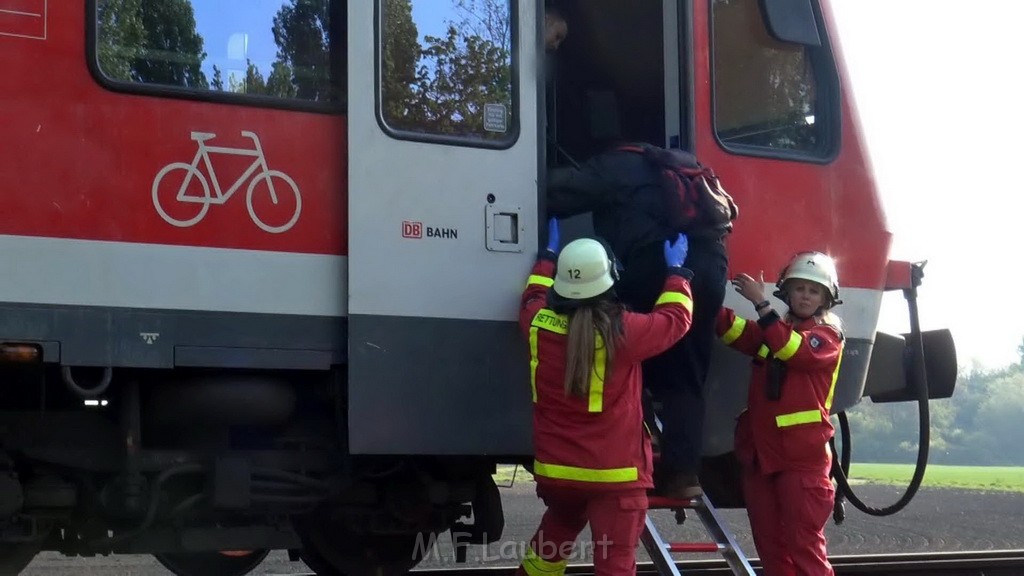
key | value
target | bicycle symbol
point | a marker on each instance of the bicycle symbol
(204, 199)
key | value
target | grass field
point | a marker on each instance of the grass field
(986, 478)
(989, 478)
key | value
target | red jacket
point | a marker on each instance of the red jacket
(791, 432)
(599, 442)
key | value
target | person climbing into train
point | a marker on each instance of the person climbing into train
(592, 450)
(782, 436)
(625, 192)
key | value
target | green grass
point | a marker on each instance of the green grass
(982, 478)
(988, 478)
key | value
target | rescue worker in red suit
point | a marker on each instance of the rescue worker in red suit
(782, 437)
(592, 450)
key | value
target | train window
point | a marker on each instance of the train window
(770, 96)
(446, 71)
(288, 50)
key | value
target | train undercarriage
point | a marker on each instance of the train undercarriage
(209, 473)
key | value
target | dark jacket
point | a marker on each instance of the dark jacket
(622, 189)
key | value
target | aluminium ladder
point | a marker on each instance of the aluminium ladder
(723, 542)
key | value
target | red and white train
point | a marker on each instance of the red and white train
(262, 258)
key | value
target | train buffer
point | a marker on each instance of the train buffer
(722, 541)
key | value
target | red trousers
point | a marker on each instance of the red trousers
(616, 520)
(788, 511)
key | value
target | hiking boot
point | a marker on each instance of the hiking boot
(680, 486)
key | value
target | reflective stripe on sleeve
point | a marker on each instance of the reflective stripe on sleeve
(794, 418)
(605, 475)
(763, 351)
(675, 298)
(534, 361)
(787, 351)
(734, 331)
(534, 565)
(538, 280)
(596, 401)
(835, 376)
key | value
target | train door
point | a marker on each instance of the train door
(615, 76)
(621, 74)
(443, 157)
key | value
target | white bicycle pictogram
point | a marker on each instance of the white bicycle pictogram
(258, 166)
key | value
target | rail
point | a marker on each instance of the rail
(987, 563)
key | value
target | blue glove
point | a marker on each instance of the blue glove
(553, 235)
(675, 253)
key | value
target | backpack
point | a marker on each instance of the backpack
(693, 197)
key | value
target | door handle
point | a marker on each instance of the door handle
(504, 225)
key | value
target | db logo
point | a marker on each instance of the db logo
(412, 229)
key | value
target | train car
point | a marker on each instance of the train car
(263, 257)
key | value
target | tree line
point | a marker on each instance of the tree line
(979, 425)
(158, 43)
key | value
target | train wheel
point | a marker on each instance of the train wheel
(16, 557)
(331, 551)
(220, 563)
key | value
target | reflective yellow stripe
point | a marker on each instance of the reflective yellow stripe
(763, 351)
(534, 361)
(550, 321)
(538, 280)
(835, 376)
(675, 298)
(585, 474)
(534, 565)
(791, 347)
(792, 419)
(735, 331)
(596, 400)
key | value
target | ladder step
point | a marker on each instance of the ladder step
(694, 547)
(662, 503)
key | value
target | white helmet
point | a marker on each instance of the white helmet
(585, 269)
(813, 266)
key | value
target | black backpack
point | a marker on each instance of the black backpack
(695, 201)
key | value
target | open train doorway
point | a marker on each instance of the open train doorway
(612, 79)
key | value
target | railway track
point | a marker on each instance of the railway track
(989, 563)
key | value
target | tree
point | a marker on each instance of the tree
(121, 36)
(151, 42)
(218, 79)
(442, 85)
(400, 73)
(488, 19)
(302, 32)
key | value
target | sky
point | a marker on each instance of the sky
(941, 102)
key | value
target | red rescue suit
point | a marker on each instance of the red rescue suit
(593, 454)
(782, 437)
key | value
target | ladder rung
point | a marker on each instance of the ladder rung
(660, 502)
(694, 547)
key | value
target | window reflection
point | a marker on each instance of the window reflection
(446, 68)
(766, 91)
(277, 48)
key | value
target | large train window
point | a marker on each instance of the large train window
(445, 70)
(772, 96)
(283, 51)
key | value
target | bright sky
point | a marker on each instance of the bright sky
(941, 101)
